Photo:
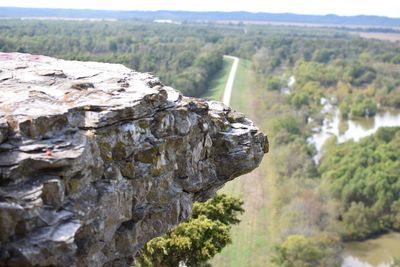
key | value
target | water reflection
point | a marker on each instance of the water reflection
(290, 83)
(345, 130)
(363, 127)
(330, 127)
(350, 261)
(377, 252)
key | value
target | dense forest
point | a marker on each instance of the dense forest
(182, 57)
(353, 193)
(363, 178)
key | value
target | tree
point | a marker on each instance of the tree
(363, 106)
(360, 75)
(356, 221)
(274, 83)
(323, 55)
(301, 251)
(363, 178)
(196, 241)
(300, 99)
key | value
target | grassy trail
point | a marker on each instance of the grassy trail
(250, 243)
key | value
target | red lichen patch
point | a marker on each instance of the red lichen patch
(33, 58)
(6, 56)
(48, 152)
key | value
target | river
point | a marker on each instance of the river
(377, 252)
(352, 129)
(380, 251)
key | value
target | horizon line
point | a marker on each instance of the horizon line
(197, 11)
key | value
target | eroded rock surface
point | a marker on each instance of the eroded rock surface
(96, 159)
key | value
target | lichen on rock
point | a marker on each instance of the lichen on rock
(96, 159)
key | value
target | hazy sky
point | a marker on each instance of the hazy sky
(389, 8)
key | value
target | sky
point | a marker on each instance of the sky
(389, 8)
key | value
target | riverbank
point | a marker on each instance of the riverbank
(374, 252)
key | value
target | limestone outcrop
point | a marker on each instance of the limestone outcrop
(96, 159)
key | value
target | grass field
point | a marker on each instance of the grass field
(385, 36)
(250, 242)
(217, 85)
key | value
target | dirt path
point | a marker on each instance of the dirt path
(229, 84)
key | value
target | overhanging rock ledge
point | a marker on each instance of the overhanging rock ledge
(96, 159)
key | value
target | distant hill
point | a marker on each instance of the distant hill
(375, 21)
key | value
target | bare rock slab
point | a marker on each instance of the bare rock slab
(96, 159)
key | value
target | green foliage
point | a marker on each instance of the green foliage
(193, 243)
(307, 95)
(288, 124)
(221, 208)
(301, 251)
(274, 83)
(363, 177)
(196, 241)
(362, 107)
(299, 99)
(392, 100)
(396, 59)
(326, 75)
(357, 221)
(359, 106)
(285, 128)
(324, 55)
(345, 106)
(360, 75)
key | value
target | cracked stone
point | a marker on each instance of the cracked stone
(97, 159)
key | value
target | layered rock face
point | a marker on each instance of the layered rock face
(96, 159)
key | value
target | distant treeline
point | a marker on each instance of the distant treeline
(384, 30)
(183, 57)
(202, 16)
(187, 56)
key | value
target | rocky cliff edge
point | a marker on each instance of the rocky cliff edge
(96, 159)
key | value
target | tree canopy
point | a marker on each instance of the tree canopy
(364, 180)
(301, 251)
(199, 239)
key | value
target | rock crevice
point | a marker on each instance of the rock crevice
(96, 159)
